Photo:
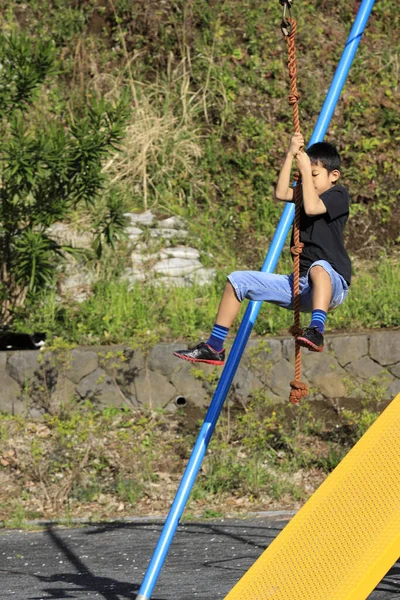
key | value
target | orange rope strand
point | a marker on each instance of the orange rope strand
(298, 388)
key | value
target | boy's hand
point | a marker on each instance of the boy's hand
(303, 162)
(296, 143)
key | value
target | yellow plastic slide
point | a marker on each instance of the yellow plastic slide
(347, 536)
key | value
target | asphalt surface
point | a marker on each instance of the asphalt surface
(108, 561)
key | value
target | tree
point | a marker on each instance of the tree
(46, 170)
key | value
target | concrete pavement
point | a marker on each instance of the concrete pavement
(108, 561)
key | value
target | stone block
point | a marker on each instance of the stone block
(316, 364)
(133, 233)
(384, 347)
(166, 234)
(365, 368)
(280, 378)
(161, 358)
(153, 390)
(133, 276)
(10, 395)
(395, 370)
(63, 393)
(146, 218)
(393, 389)
(180, 252)
(65, 235)
(136, 360)
(260, 355)
(348, 348)
(176, 267)
(81, 363)
(245, 382)
(329, 385)
(288, 349)
(100, 389)
(172, 223)
(201, 276)
(189, 387)
(23, 365)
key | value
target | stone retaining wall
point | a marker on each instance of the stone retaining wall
(33, 382)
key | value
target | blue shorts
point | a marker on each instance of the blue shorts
(278, 289)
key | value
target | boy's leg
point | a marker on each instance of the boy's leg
(253, 285)
(328, 291)
(229, 307)
(212, 351)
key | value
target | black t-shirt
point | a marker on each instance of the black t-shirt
(322, 235)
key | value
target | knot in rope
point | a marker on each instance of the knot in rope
(297, 249)
(299, 390)
(294, 98)
(295, 330)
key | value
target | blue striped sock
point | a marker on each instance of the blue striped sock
(217, 337)
(318, 319)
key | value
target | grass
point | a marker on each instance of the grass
(147, 314)
(105, 463)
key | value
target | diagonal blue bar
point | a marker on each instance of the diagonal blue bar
(249, 318)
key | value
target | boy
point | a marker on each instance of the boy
(325, 267)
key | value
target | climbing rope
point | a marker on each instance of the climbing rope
(288, 26)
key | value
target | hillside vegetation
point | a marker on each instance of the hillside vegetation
(209, 125)
(180, 106)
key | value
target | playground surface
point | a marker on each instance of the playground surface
(108, 560)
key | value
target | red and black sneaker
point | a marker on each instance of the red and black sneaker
(202, 353)
(312, 339)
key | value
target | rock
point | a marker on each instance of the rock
(153, 390)
(81, 364)
(133, 276)
(395, 370)
(76, 285)
(176, 267)
(133, 232)
(10, 397)
(330, 385)
(168, 233)
(161, 358)
(140, 261)
(187, 386)
(22, 365)
(262, 353)
(63, 234)
(393, 389)
(201, 277)
(288, 349)
(100, 389)
(385, 347)
(172, 223)
(280, 378)
(64, 392)
(245, 382)
(180, 252)
(364, 368)
(147, 218)
(348, 348)
(316, 364)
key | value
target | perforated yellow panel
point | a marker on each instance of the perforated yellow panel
(347, 536)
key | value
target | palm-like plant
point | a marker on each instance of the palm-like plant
(46, 172)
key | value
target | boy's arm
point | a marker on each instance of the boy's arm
(312, 203)
(283, 191)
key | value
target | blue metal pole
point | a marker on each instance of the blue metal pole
(248, 321)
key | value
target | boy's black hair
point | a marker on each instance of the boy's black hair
(326, 154)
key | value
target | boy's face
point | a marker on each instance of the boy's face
(322, 179)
